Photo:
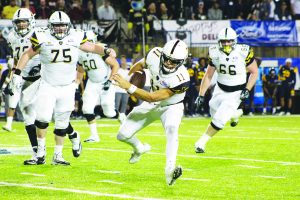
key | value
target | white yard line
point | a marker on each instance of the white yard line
(32, 174)
(249, 166)
(195, 179)
(94, 193)
(108, 172)
(272, 177)
(109, 181)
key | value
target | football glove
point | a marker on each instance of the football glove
(199, 102)
(106, 85)
(244, 94)
(15, 85)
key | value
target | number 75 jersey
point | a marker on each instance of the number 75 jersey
(178, 81)
(231, 68)
(58, 57)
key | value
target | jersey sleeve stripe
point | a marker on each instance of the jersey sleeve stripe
(84, 40)
(181, 88)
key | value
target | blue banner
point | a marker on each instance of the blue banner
(266, 33)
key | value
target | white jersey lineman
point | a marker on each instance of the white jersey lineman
(98, 73)
(231, 79)
(57, 88)
(31, 71)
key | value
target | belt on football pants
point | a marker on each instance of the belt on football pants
(234, 88)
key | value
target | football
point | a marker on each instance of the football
(138, 79)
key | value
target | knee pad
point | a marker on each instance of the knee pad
(109, 112)
(89, 117)
(41, 125)
(60, 132)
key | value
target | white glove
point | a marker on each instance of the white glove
(16, 84)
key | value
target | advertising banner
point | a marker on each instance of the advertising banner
(266, 33)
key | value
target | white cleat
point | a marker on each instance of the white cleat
(6, 128)
(76, 144)
(59, 160)
(136, 156)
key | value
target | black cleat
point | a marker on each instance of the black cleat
(30, 162)
(40, 160)
(199, 150)
(233, 123)
(176, 174)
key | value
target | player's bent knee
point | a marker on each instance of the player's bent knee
(41, 125)
(109, 113)
(217, 127)
(89, 117)
(60, 132)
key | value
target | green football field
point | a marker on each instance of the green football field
(258, 159)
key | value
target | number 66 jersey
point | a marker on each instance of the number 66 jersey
(178, 81)
(231, 68)
(58, 57)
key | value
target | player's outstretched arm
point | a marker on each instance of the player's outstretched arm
(113, 63)
(158, 95)
(98, 49)
(26, 56)
(205, 83)
(253, 69)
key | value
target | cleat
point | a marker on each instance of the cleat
(199, 150)
(175, 175)
(6, 128)
(59, 160)
(136, 156)
(234, 123)
(76, 144)
(92, 140)
(40, 160)
(30, 162)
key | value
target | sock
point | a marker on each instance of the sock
(58, 150)
(203, 140)
(31, 131)
(264, 110)
(41, 151)
(93, 129)
(70, 131)
(9, 121)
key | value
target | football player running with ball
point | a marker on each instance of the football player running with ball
(169, 82)
(58, 48)
(230, 61)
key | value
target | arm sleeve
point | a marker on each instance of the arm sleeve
(250, 57)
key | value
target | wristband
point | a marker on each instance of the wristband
(132, 89)
(106, 51)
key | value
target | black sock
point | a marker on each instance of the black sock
(70, 131)
(31, 131)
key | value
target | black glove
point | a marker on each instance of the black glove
(106, 85)
(199, 102)
(244, 94)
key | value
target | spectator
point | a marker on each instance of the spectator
(106, 11)
(52, 5)
(200, 13)
(76, 12)
(255, 11)
(272, 9)
(164, 13)
(215, 13)
(90, 12)
(9, 10)
(295, 7)
(270, 83)
(26, 4)
(121, 94)
(234, 10)
(286, 89)
(283, 13)
(4, 48)
(43, 11)
(62, 6)
(151, 16)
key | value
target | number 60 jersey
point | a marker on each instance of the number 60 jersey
(58, 57)
(231, 68)
(178, 81)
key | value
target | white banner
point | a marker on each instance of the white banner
(198, 31)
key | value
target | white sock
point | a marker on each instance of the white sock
(203, 140)
(264, 110)
(58, 149)
(93, 129)
(9, 121)
(41, 147)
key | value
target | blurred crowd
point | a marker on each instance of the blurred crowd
(79, 10)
